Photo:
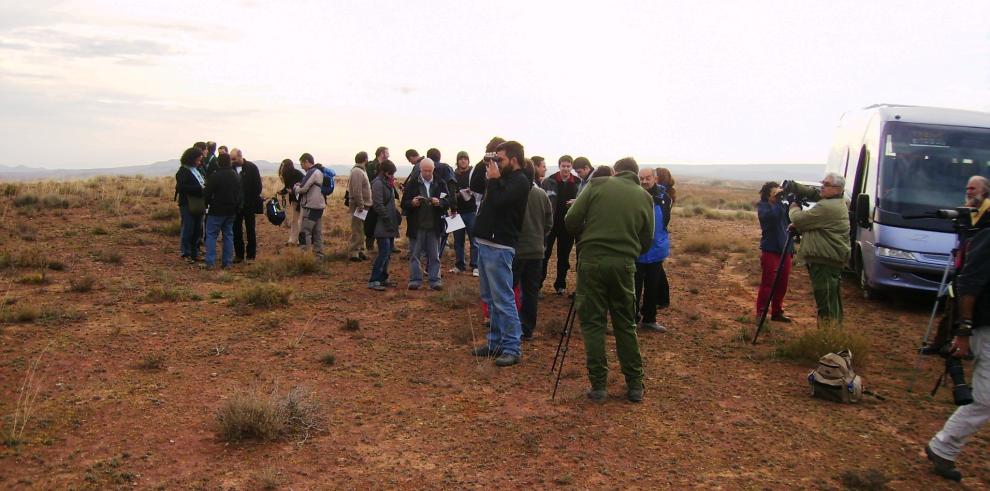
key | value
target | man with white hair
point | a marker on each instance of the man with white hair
(824, 230)
(252, 204)
(425, 200)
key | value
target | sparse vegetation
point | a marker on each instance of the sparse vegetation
(24, 407)
(255, 415)
(864, 480)
(700, 243)
(167, 213)
(164, 293)
(23, 259)
(38, 278)
(108, 256)
(328, 359)
(288, 264)
(26, 231)
(171, 229)
(456, 296)
(262, 295)
(20, 314)
(99, 231)
(812, 344)
(58, 314)
(152, 361)
(82, 284)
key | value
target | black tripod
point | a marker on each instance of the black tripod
(565, 340)
(773, 286)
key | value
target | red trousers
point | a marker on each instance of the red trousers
(769, 262)
(515, 290)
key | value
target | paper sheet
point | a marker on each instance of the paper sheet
(361, 214)
(454, 223)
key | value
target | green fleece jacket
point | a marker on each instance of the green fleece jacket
(824, 232)
(537, 223)
(613, 216)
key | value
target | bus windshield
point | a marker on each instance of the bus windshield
(925, 167)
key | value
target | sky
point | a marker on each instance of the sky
(112, 83)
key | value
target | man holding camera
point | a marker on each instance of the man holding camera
(824, 230)
(970, 335)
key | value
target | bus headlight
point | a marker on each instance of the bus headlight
(895, 253)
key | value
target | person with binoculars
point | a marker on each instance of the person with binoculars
(970, 336)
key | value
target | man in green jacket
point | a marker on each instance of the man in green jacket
(614, 218)
(825, 248)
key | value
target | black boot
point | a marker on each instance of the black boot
(943, 467)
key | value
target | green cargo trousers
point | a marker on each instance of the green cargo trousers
(825, 283)
(606, 286)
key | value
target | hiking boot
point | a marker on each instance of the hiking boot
(597, 395)
(506, 360)
(780, 318)
(485, 351)
(943, 467)
(635, 394)
(652, 326)
(414, 286)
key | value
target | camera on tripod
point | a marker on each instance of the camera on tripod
(962, 393)
(795, 192)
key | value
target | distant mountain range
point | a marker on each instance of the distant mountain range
(742, 172)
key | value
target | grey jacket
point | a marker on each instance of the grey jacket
(537, 223)
(383, 202)
(310, 195)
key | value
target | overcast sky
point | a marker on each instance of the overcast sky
(106, 83)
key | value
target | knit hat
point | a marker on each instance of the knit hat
(462, 155)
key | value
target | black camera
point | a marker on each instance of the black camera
(795, 192)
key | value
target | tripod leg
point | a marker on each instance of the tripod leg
(560, 370)
(567, 327)
(943, 291)
(773, 286)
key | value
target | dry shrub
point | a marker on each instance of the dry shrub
(22, 313)
(290, 263)
(108, 256)
(328, 359)
(812, 344)
(264, 295)
(57, 315)
(163, 293)
(351, 325)
(456, 296)
(82, 284)
(152, 361)
(255, 415)
(163, 214)
(702, 243)
(27, 232)
(33, 278)
(23, 259)
(171, 229)
(865, 480)
(22, 200)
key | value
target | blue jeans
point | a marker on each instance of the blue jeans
(379, 269)
(214, 225)
(468, 230)
(495, 268)
(426, 243)
(190, 232)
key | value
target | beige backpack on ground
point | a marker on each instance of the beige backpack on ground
(835, 380)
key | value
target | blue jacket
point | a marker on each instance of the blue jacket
(660, 248)
(773, 222)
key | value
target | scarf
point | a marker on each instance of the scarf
(199, 176)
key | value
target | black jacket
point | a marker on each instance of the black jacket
(251, 184)
(478, 177)
(291, 178)
(413, 189)
(186, 184)
(463, 181)
(500, 215)
(974, 275)
(223, 192)
(560, 192)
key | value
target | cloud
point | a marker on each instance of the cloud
(62, 43)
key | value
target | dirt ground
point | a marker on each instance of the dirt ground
(404, 404)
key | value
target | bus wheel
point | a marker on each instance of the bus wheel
(864, 281)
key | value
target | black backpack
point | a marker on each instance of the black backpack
(274, 211)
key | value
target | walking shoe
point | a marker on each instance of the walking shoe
(943, 467)
(475, 273)
(780, 318)
(414, 286)
(635, 394)
(377, 286)
(652, 326)
(485, 351)
(437, 287)
(506, 360)
(455, 270)
(390, 284)
(597, 395)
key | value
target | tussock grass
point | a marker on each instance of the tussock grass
(171, 229)
(82, 284)
(456, 296)
(263, 295)
(289, 264)
(700, 243)
(328, 359)
(24, 258)
(38, 278)
(108, 256)
(56, 314)
(812, 344)
(260, 416)
(163, 293)
(20, 314)
(26, 231)
(164, 214)
(152, 361)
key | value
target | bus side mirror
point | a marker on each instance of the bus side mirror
(863, 210)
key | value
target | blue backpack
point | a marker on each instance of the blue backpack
(327, 187)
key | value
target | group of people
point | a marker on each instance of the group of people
(230, 188)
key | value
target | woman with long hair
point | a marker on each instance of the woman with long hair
(189, 184)
(667, 181)
(289, 175)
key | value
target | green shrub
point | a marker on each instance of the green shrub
(812, 344)
(263, 295)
